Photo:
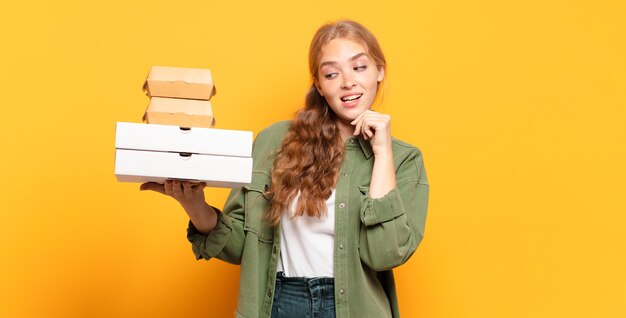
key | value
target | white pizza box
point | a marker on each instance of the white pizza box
(179, 112)
(216, 171)
(180, 82)
(197, 140)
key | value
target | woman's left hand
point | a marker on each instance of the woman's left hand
(376, 128)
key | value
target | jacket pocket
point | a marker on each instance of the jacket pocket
(364, 189)
(256, 206)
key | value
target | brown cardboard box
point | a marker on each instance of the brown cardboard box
(179, 82)
(179, 112)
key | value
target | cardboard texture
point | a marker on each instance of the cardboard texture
(179, 82)
(179, 112)
(211, 141)
(216, 171)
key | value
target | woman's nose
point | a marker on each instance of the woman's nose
(347, 82)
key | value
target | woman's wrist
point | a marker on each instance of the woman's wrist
(382, 150)
(383, 175)
(196, 210)
(204, 218)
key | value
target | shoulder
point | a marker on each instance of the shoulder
(402, 149)
(276, 130)
(272, 136)
(409, 157)
(267, 143)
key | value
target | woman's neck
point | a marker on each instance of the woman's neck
(346, 130)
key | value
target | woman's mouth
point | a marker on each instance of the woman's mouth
(350, 98)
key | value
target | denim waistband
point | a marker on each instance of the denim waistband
(303, 297)
(280, 277)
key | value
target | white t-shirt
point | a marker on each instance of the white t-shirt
(307, 243)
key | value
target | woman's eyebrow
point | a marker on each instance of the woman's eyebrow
(357, 56)
(335, 63)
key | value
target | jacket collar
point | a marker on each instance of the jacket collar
(365, 145)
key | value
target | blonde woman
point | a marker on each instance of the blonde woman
(335, 202)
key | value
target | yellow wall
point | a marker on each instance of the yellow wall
(518, 106)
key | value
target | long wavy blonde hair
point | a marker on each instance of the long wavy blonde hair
(311, 152)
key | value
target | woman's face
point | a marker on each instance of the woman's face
(348, 78)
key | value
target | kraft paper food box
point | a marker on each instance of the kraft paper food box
(151, 152)
(179, 112)
(180, 82)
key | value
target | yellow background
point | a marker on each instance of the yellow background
(518, 106)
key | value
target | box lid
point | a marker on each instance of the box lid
(180, 82)
(211, 141)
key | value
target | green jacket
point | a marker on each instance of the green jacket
(372, 236)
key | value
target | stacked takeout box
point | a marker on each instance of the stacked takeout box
(178, 141)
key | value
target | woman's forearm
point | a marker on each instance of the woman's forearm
(203, 217)
(383, 175)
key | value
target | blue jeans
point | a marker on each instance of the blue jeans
(301, 297)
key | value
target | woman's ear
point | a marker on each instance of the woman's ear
(381, 74)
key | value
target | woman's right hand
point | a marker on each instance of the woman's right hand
(189, 195)
(191, 198)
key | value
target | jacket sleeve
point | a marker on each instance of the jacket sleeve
(226, 240)
(393, 226)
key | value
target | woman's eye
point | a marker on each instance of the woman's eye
(330, 75)
(360, 68)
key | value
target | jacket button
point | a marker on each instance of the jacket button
(340, 246)
(275, 249)
(269, 292)
(341, 291)
(342, 205)
(346, 174)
